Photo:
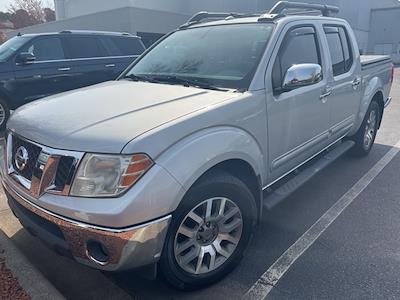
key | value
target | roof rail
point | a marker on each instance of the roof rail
(65, 31)
(197, 18)
(326, 10)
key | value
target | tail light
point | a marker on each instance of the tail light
(392, 74)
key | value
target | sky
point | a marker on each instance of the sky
(4, 4)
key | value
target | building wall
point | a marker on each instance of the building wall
(384, 34)
(126, 19)
(74, 8)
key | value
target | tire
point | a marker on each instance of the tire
(366, 134)
(4, 114)
(213, 189)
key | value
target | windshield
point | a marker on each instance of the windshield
(222, 56)
(8, 48)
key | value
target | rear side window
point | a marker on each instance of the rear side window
(300, 46)
(83, 47)
(339, 48)
(123, 46)
(44, 49)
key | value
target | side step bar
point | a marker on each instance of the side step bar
(276, 196)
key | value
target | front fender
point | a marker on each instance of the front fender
(191, 157)
(373, 86)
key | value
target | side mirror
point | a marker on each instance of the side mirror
(25, 58)
(301, 75)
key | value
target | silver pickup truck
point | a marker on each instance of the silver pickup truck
(172, 164)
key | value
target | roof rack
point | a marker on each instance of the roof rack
(281, 6)
(197, 18)
(275, 13)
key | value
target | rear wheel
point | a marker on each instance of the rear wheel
(365, 136)
(209, 232)
(4, 114)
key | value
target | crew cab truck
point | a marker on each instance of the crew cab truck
(173, 163)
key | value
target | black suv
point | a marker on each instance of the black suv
(33, 66)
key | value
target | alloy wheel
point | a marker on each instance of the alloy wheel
(370, 130)
(208, 235)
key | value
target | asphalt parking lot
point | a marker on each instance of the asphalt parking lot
(356, 257)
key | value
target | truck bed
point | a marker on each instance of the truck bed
(370, 60)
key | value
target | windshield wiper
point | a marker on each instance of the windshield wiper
(136, 77)
(174, 79)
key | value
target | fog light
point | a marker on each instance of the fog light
(97, 253)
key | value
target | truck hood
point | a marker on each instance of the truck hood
(105, 117)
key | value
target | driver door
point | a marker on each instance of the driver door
(298, 119)
(47, 75)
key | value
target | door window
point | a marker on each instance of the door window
(45, 49)
(83, 47)
(339, 48)
(300, 46)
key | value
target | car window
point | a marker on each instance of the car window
(83, 47)
(300, 46)
(11, 46)
(123, 46)
(340, 51)
(44, 49)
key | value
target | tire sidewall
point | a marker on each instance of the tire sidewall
(359, 149)
(6, 113)
(233, 189)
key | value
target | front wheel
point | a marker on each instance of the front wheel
(209, 232)
(4, 114)
(365, 136)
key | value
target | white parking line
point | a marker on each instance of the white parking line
(270, 278)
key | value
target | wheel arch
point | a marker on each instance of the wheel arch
(373, 90)
(242, 170)
(378, 97)
(228, 149)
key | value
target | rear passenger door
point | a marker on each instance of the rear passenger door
(298, 120)
(344, 78)
(123, 50)
(88, 59)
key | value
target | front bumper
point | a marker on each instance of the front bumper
(118, 249)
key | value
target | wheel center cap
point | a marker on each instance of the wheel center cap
(207, 234)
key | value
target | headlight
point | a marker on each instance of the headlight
(101, 175)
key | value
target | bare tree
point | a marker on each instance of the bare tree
(34, 8)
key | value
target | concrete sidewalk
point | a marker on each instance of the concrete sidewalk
(30, 280)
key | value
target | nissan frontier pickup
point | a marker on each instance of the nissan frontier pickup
(173, 164)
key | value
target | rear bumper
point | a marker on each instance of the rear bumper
(102, 248)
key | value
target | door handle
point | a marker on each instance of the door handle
(64, 69)
(326, 94)
(356, 82)
(110, 66)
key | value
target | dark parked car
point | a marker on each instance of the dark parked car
(33, 66)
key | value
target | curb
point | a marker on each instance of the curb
(30, 279)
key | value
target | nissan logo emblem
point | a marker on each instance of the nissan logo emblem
(21, 158)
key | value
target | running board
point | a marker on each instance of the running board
(276, 196)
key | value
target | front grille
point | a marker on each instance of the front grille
(45, 169)
(65, 172)
(33, 154)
